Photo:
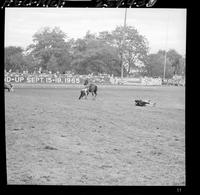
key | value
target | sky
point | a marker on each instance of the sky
(164, 28)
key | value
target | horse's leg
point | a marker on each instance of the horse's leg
(95, 92)
(81, 95)
(95, 95)
(87, 93)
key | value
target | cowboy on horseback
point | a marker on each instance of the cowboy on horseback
(89, 87)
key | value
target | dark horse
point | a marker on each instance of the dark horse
(8, 86)
(89, 88)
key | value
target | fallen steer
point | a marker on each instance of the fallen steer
(8, 86)
(144, 103)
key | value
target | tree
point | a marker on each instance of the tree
(182, 66)
(52, 64)
(155, 65)
(14, 58)
(176, 60)
(132, 50)
(49, 42)
(92, 55)
(31, 63)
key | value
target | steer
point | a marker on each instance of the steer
(144, 103)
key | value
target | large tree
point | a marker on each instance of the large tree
(132, 47)
(92, 55)
(50, 44)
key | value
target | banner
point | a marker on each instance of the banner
(37, 79)
(63, 79)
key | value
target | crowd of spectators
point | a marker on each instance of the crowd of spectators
(99, 79)
(176, 80)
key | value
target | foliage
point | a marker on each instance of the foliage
(177, 61)
(92, 55)
(103, 53)
(132, 47)
(50, 49)
(14, 58)
(156, 62)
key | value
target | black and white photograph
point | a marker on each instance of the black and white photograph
(95, 96)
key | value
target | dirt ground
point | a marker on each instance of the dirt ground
(52, 138)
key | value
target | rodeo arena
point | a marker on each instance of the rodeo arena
(125, 133)
(94, 129)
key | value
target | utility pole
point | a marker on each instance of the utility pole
(165, 60)
(165, 65)
(123, 44)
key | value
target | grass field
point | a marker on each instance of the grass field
(52, 138)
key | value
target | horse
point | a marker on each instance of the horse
(8, 86)
(89, 88)
(92, 88)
